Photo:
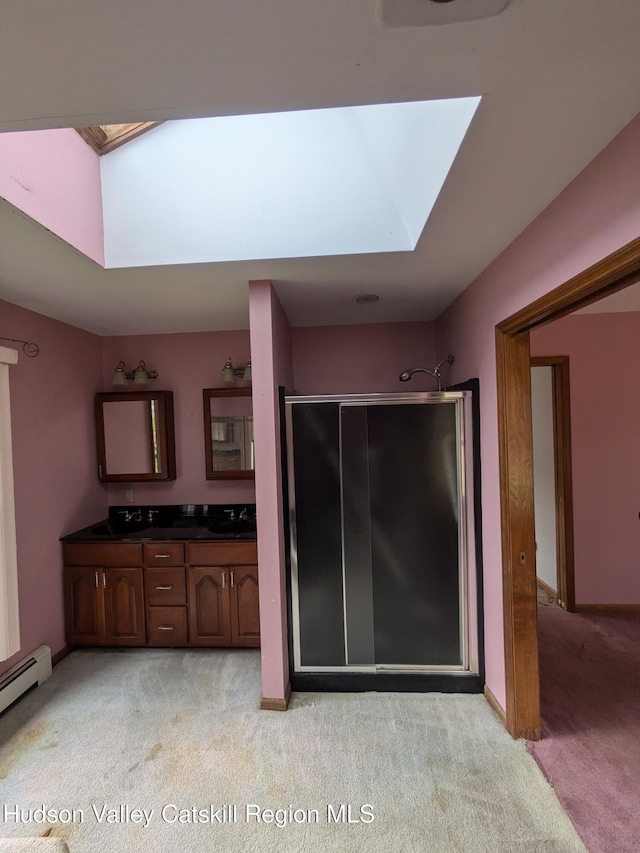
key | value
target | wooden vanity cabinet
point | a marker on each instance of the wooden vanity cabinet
(245, 612)
(104, 606)
(103, 591)
(123, 607)
(166, 594)
(161, 593)
(209, 610)
(223, 594)
(84, 606)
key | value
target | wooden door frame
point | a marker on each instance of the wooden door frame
(561, 400)
(615, 272)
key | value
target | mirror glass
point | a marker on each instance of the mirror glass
(228, 431)
(128, 434)
(135, 436)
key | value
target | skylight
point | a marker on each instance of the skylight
(298, 184)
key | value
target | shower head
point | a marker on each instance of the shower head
(407, 374)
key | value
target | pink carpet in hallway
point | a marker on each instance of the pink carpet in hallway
(590, 697)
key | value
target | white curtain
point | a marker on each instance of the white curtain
(9, 622)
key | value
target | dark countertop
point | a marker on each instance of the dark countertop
(202, 522)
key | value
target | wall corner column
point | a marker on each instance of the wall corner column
(271, 364)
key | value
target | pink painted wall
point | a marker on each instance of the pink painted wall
(362, 359)
(54, 177)
(272, 366)
(56, 487)
(604, 352)
(596, 214)
(186, 363)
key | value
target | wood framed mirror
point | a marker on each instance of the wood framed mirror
(135, 436)
(228, 433)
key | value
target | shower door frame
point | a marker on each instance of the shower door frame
(469, 582)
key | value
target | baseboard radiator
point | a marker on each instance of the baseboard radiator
(24, 676)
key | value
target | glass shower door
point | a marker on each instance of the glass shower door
(378, 530)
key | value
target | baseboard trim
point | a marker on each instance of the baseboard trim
(276, 704)
(55, 659)
(547, 588)
(496, 707)
(604, 608)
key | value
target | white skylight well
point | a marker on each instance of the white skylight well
(298, 184)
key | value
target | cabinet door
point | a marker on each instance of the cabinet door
(245, 613)
(124, 607)
(84, 606)
(209, 618)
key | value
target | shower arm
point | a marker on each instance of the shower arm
(436, 372)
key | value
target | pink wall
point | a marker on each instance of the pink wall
(186, 363)
(56, 487)
(54, 177)
(272, 366)
(362, 359)
(596, 214)
(604, 351)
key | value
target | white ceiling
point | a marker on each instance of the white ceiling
(559, 80)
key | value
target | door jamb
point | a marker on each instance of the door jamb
(560, 391)
(615, 272)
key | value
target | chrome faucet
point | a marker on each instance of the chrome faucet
(136, 515)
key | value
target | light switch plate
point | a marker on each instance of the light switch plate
(128, 496)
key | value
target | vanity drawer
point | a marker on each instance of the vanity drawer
(167, 626)
(222, 553)
(165, 586)
(164, 554)
(108, 554)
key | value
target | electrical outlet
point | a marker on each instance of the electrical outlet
(128, 496)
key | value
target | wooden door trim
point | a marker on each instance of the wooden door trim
(615, 272)
(561, 392)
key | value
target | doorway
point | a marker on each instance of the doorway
(551, 419)
(613, 273)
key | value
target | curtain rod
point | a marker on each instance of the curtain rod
(28, 348)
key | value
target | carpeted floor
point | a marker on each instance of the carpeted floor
(149, 729)
(590, 702)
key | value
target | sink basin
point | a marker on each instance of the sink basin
(192, 531)
(110, 528)
(235, 528)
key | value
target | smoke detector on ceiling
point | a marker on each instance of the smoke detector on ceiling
(425, 13)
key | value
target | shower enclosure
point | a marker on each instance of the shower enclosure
(383, 584)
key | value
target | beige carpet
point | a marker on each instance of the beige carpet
(113, 731)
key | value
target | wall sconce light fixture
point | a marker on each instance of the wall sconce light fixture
(235, 374)
(139, 376)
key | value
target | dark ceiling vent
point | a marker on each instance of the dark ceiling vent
(428, 13)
